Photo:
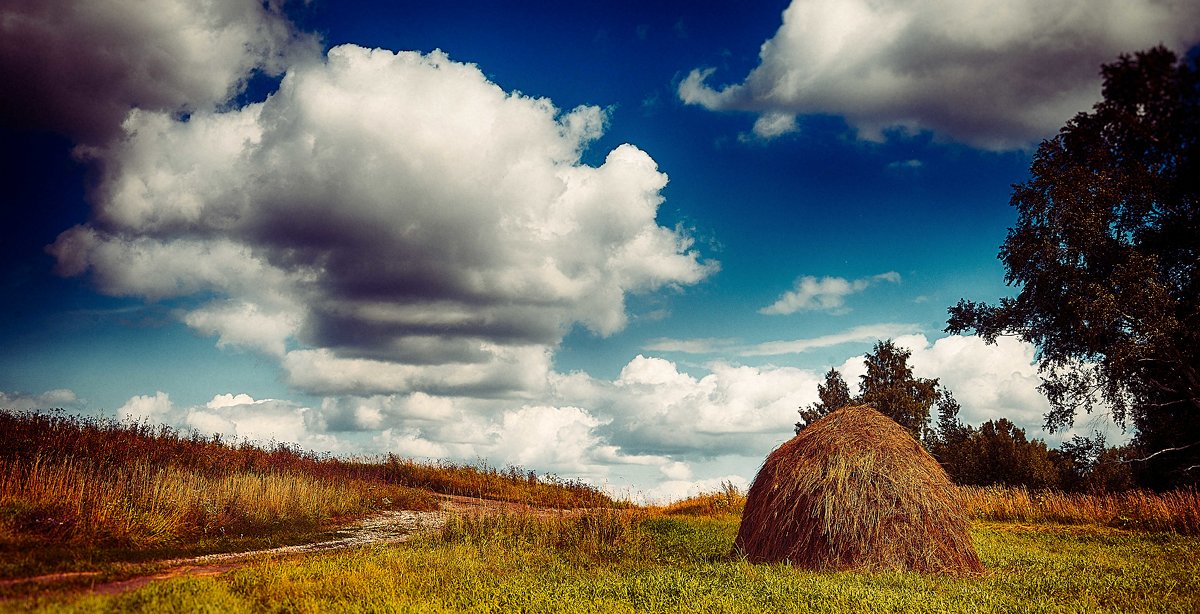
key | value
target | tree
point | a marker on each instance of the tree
(1106, 251)
(834, 395)
(948, 444)
(1089, 465)
(1001, 454)
(889, 387)
(950, 430)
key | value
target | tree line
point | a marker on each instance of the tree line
(996, 452)
(1106, 255)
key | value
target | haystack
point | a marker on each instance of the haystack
(854, 490)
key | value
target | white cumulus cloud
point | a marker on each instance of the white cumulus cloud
(82, 66)
(385, 222)
(995, 74)
(154, 409)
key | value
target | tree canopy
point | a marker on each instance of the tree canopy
(834, 395)
(888, 386)
(1106, 252)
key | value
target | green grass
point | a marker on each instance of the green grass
(652, 563)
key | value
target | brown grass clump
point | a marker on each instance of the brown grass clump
(1177, 511)
(855, 491)
(728, 501)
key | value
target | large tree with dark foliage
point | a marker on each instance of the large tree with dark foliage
(1106, 251)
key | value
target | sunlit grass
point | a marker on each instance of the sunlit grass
(85, 494)
(508, 484)
(682, 564)
(727, 501)
(75, 493)
(1177, 511)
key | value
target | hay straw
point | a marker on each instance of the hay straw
(854, 490)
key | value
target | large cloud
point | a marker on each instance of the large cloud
(654, 428)
(993, 73)
(79, 67)
(991, 382)
(653, 408)
(385, 222)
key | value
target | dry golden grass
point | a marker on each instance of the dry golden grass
(73, 489)
(728, 501)
(854, 490)
(509, 484)
(1177, 511)
(140, 505)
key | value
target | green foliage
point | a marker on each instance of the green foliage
(889, 387)
(834, 395)
(1106, 251)
(950, 430)
(996, 453)
(1087, 464)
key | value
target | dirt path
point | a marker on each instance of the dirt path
(383, 528)
(386, 527)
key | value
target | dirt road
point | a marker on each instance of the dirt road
(385, 527)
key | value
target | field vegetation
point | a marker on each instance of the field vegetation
(642, 560)
(78, 495)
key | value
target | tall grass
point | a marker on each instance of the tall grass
(508, 484)
(102, 483)
(596, 537)
(141, 505)
(729, 500)
(1177, 511)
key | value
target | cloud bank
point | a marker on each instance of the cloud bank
(994, 74)
(654, 427)
(79, 67)
(385, 222)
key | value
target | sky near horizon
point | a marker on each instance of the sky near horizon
(616, 241)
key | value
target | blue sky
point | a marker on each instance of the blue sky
(616, 241)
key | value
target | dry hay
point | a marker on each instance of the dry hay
(854, 490)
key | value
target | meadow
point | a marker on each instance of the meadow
(571, 550)
(643, 561)
(79, 494)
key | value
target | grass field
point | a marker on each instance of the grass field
(78, 495)
(81, 494)
(639, 562)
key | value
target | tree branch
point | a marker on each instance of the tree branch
(1163, 451)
